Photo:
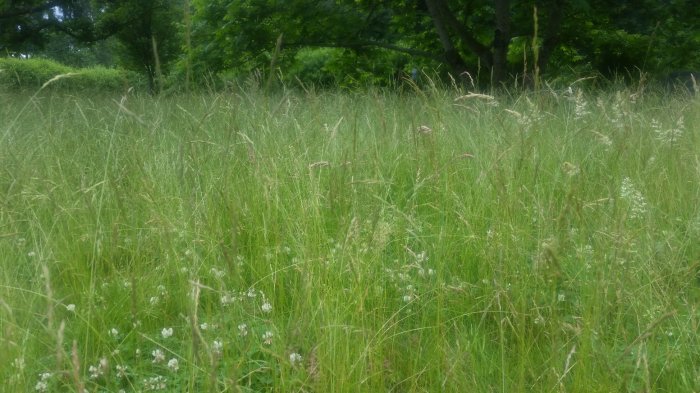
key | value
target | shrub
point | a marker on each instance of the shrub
(31, 74)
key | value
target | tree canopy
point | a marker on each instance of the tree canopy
(372, 41)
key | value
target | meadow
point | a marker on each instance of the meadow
(433, 240)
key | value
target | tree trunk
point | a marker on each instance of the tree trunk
(452, 57)
(552, 33)
(501, 39)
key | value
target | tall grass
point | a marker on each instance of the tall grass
(347, 242)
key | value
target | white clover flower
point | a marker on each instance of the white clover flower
(31, 254)
(114, 333)
(217, 273)
(155, 383)
(96, 371)
(217, 347)
(167, 332)
(173, 365)
(267, 337)
(203, 326)
(251, 293)
(243, 330)
(295, 358)
(43, 384)
(226, 299)
(267, 307)
(18, 363)
(158, 356)
(121, 370)
(70, 307)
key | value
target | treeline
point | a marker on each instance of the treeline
(358, 42)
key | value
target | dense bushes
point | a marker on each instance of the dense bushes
(20, 74)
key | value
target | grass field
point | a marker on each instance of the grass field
(350, 242)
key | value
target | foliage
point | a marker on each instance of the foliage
(71, 52)
(359, 42)
(141, 23)
(582, 34)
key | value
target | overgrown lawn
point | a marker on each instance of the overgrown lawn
(350, 242)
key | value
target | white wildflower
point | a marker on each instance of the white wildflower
(155, 383)
(95, 372)
(294, 358)
(114, 333)
(167, 332)
(121, 370)
(226, 299)
(267, 337)
(266, 307)
(217, 273)
(217, 347)
(158, 356)
(43, 384)
(173, 365)
(18, 363)
(70, 307)
(242, 330)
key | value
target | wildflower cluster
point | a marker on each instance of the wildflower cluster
(407, 279)
(43, 384)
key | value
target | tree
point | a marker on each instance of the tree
(25, 25)
(451, 32)
(145, 29)
(147, 32)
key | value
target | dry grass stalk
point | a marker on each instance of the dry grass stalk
(79, 386)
